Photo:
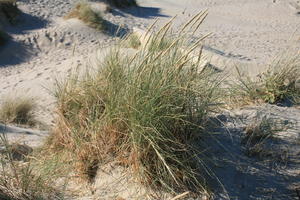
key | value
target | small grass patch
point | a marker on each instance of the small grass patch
(143, 112)
(260, 139)
(131, 41)
(277, 85)
(258, 131)
(85, 13)
(18, 110)
(25, 179)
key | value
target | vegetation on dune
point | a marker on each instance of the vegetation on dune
(143, 112)
(29, 178)
(18, 110)
(85, 13)
(278, 84)
(160, 44)
(131, 41)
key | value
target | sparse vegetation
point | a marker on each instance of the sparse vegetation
(276, 85)
(18, 110)
(21, 180)
(143, 112)
(131, 41)
(258, 131)
(85, 13)
(260, 137)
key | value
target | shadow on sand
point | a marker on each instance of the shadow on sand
(13, 53)
(25, 23)
(236, 175)
(115, 30)
(9, 129)
(141, 12)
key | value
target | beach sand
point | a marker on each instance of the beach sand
(46, 48)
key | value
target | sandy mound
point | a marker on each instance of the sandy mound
(245, 33)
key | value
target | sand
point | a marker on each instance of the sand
(46, 48)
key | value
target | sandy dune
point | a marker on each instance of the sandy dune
(46, 48)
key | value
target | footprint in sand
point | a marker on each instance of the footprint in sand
(38, 74)
(49, 39)
(295, 5)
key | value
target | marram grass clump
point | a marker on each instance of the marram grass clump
(18, 110)
(132, 40)
(85, 13)
(278, 84)
(141, 111)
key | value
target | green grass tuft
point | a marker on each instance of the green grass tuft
(143, 112)
(131, 41)
(278, 84)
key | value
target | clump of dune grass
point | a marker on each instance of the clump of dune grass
(122, 3)
(131, 41)
(259, 131)
(142, 111)
(260, 140)
(18, 110)
(159, 42)
(21, 180)
(9, 10)
(85, 13)
(276, 85)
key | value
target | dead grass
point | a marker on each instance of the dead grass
(84, 12)
(260, 140)
(142, 112)
(258, 131)
(23, 179)
(277, 85)
(18, 110)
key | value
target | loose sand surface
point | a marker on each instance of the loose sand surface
(46, 48)
(249, 33)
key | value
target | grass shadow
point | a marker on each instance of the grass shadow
(240, 176)
(13, 53)
(141, 12)
(26, 22)
(112, 29)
